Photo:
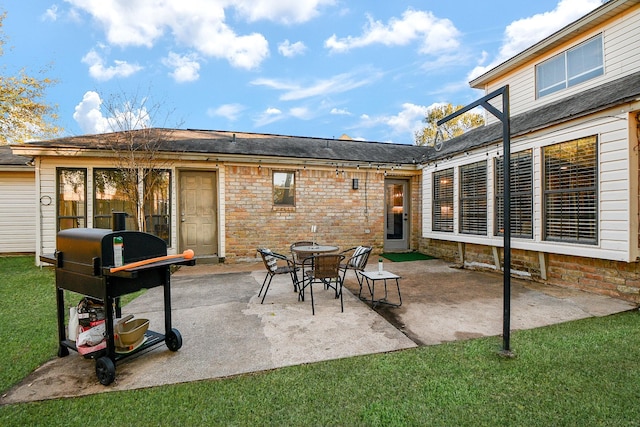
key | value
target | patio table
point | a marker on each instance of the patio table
(315, 249)
(372, 277)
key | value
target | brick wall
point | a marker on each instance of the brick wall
(342, 215)
(612, 278)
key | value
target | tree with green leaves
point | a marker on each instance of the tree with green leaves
(24, 113)
(450, 129)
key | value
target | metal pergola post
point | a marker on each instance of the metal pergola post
(504, 117)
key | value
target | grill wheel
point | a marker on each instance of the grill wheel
(173, 340)
(105, 370)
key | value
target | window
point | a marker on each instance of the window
(157, 203)
(72, 195)
(284, 188)
(443, 200)
(473, 198)
(570, 191)
(521, 188)
(115, 191)
(571, 67)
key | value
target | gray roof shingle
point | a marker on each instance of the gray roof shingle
(608, 95)
(7, 158)
(257, 145)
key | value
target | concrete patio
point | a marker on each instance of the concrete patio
(226, 331)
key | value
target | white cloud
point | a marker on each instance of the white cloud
(245, 52)
(198, 24)
(404, 124)
(268, 116)
(284, 11)
(340, 112)
(229, 111)
(185, 67)
(434, 34)
(99, 71)
(288, 49)
(273, 114)
(523, 33)
(89, 116)
(337, 84)
(51, 14)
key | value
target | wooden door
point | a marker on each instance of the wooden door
(198, 212)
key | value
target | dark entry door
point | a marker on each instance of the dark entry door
(396, 197)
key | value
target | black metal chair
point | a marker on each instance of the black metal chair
(297, 256)
(270, 260)
(356, 260)
(325, 269)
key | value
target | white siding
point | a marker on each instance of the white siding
(47, 189)
(616, 238)
(18, 212)
(621, 39)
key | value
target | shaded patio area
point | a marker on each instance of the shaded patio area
(226, 331)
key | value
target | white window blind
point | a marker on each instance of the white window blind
(442, 216)
(473, 198)
(521, 188)
(570, 191)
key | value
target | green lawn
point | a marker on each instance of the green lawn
(583, 373)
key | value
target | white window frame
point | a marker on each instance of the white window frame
(284, 193)
(562, 66)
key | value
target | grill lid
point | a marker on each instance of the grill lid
(88, 250)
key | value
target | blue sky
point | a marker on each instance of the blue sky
(322, 68)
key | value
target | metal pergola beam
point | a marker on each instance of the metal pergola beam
(504, 117)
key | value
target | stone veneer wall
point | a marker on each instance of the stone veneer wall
(614, 278)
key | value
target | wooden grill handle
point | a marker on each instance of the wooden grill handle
(188, 254)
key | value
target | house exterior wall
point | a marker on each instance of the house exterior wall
(47, 167)
(617, 242)
(615, 171)
(247, 218)
(610, 266)
(621, 41)
(18, 212)
(344, 217)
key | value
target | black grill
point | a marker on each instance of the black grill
(83, 261)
